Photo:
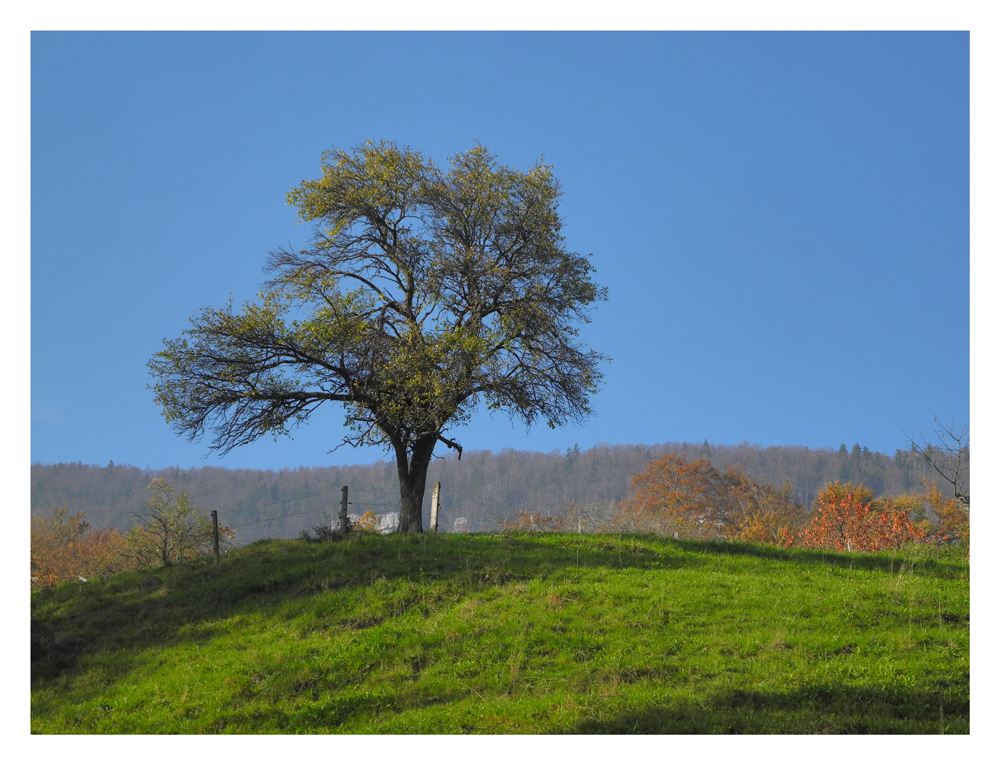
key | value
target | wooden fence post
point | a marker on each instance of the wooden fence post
(343, 511)
(435, 503)
(215, 535)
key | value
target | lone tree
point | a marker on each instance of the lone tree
(421, 294)
(171, 530)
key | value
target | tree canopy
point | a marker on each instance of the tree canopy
(171, 530)
(421, 294)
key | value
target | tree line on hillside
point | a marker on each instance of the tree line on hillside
(687, 497)
(483, 487)
(673, 496)
(690, 499)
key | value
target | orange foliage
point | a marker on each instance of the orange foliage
(367, 522)
(761, 513)
(953, 515)
(850, 524)
(851, 517)
(64, 547)
(836, 491)
(693, 499)
(674, 496)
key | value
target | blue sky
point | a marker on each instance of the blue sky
(781, 219)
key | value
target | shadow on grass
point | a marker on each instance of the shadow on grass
(161, 607)
(826, 708)
(887, 562)
(171, 606)
(329, 714)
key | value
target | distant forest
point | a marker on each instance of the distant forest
(482, 487)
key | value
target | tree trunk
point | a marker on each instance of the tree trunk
(412, 470)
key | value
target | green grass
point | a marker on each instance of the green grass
(529, 633)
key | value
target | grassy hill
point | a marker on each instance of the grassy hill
(530, 633)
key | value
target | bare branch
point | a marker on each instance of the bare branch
(950, 460)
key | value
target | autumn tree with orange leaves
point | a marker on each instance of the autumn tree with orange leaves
(675, 497)
(760, 512)
(952, 515)
(850, 517)
(692, 499)
(64, 547)
(855, 522)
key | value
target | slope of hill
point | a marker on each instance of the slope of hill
(481, 487)
(509, 634)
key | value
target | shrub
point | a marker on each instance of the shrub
(850, 524)
(64, 547)
(323, 532)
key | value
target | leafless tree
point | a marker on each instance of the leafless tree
(948, 455)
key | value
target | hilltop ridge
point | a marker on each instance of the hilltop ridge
(509, 633)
